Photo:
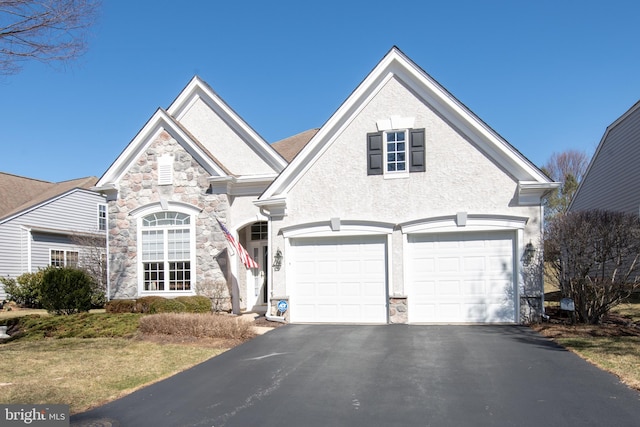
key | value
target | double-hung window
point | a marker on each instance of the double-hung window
(395, 152)
(166, 251)
(62, 258)
(102, 217)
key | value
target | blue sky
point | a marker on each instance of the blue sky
(547, 75)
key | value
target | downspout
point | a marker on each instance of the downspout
(544, 315)
(270, 276)
(106, 239)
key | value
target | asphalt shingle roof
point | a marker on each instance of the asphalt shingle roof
(19, 193)
(291, 146)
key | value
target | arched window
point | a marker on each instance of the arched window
(166, 251)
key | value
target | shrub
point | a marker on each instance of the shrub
(25, 290)
(98, 297)
(200, 325)
(121, 306)
(66, 290)
(595, 259)
(165, 305)
(196, 303)
(143, 305)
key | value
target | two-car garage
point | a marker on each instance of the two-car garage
(449, 278)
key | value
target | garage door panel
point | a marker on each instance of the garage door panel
(306, 289)
(461, 277)
(448, 265)
(348, 284)
(447, 287)
(370, 289)
(350, 289)
(424, 288)
(473, 288)
(474, 264)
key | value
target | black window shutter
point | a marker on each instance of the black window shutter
(417, 150)
(374, 153)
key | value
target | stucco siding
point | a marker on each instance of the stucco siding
(222, 142)
(458, 176)
(612, 179)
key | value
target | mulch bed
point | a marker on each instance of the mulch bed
(559, 326)
(262, 321)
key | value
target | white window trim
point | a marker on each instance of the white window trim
(385, 152)
(184, 208)
(395, 174)
(106, 217)
(65, 261)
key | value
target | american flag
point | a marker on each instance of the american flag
(242, 252)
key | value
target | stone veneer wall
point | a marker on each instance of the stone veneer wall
(398, 311)
(139, 187)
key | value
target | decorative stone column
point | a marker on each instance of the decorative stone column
(274, 308)
(398, 310)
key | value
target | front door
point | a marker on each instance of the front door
(257, 278)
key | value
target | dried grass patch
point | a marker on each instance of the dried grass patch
(192, 325)
(84, 373)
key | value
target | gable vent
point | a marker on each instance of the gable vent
(165, 170)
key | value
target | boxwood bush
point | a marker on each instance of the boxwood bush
(143, 305)
(157, 304)
(167, 305)
(121, 306)
(196, 304)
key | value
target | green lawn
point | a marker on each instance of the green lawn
(88, 359)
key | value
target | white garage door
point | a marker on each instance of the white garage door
(462, 277)
(338, 280)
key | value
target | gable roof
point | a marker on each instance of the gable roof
(291, 146)
(199, 89)
(395, 64)
(608, 177)
(160, 121)
(169, 120)
(19, 194)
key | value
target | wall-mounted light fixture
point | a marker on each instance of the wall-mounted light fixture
(277, 260)
(529, 253)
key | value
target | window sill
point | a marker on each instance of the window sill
(403, 175)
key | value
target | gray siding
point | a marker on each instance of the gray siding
(77, 211)
(612, 178)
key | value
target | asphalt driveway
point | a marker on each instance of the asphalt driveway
(393, 375)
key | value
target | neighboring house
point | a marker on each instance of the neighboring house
(46, 223)
(403, 207)
(611, 180)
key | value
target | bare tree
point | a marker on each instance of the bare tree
(567, 168)
(44, 30)
(594, 258)
(93, 260)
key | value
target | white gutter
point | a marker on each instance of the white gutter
(270, 276)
